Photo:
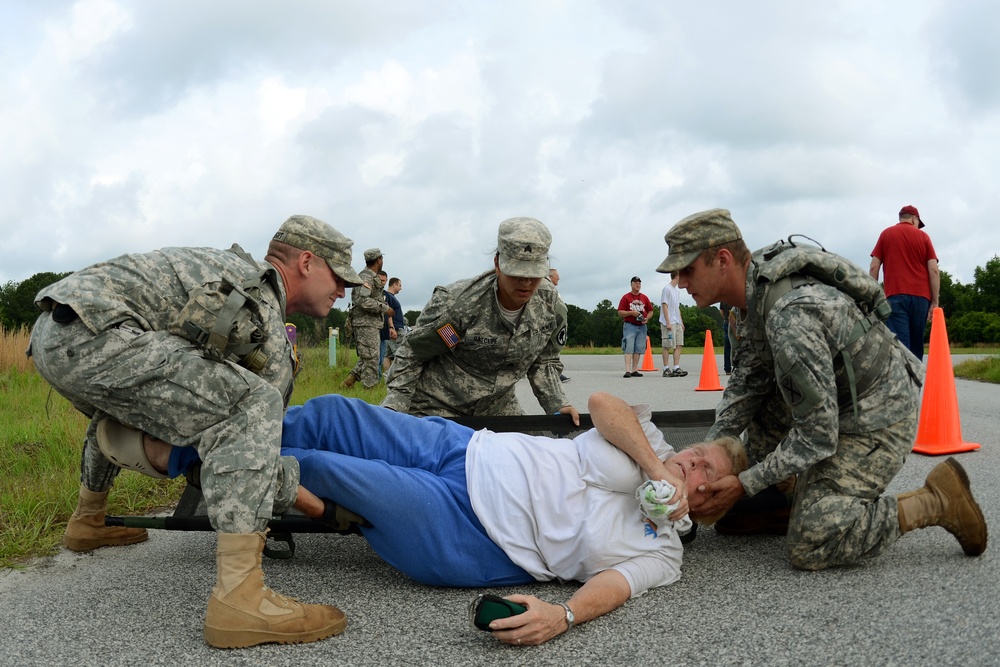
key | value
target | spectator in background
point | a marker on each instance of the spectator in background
(554, 279)
(635, 308)
(912, 281)
(842, 426)
(672, 328)
(395, 326)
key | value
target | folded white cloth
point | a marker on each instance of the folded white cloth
(654, 499)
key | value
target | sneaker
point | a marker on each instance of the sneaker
(636, 374)
(679, 372)
(563, 378)
(627, 375)
(667, 373)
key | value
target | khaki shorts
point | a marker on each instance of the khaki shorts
(672, 338)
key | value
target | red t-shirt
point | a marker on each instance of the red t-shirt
(638, 303)
(904, 251)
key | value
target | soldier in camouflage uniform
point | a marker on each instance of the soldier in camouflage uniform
(476, 338)
(188, 346)
(792, 394)
(368, 311)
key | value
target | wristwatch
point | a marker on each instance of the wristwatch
(570, 618)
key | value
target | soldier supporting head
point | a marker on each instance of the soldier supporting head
(821, 376)
(696, 243)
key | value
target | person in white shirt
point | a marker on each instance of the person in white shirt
(450, 506)
(671, 328)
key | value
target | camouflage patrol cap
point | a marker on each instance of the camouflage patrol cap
(523, 248)
(696, 233)
(372, 254)
(308, 233)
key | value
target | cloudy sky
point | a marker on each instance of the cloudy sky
(418, 126)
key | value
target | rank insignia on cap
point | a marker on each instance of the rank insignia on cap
(449, 336)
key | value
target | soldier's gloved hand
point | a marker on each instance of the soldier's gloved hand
(341, 519)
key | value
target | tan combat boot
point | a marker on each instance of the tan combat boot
(243, 612)
(86, 530)
(349, 380)
(946, 500)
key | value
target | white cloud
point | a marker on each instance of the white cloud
(419, 126)
(89, 26)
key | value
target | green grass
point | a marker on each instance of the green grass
(317, 377)
(985, 370)
(41, 437)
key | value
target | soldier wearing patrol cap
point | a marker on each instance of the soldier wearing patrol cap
(368, 311)
(188, 346)
(825, 395)
(476, 338)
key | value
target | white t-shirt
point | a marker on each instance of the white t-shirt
(671, 295)
(566, 508)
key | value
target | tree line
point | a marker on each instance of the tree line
(972, 313)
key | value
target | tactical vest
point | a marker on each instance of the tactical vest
(225, 320)
(784, 266)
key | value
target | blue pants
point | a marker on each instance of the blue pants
(909, 321)
(406, 475)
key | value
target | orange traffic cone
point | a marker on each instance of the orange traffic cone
(709, 380)
(647, 360)
(940, 428)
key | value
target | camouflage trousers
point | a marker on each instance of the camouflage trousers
(502, 404)
(160, 384)
(368, 345)
(839, 515)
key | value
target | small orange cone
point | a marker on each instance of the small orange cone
(647, 360)
(940, 429)
(709, 380)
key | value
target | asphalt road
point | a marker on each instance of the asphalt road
(738, 602)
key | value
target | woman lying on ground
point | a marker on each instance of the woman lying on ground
(450, 506)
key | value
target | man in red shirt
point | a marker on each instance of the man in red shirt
(911, 277)
(635, 307)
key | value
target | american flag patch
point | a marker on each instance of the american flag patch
(449, 336)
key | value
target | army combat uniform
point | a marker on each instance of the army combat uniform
(120, 339)
(462, 358)
(368, 309)
(792, 393)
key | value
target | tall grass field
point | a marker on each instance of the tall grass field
(41, 437)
